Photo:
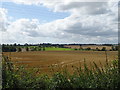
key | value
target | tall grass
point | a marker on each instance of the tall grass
(105, 77)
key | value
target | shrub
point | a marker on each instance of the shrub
(103, 49)
(97, 49)
(43, 48)
(88, 48)
(27, 49)
(75, 49)
(19, 49)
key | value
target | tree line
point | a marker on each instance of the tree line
(41, 47)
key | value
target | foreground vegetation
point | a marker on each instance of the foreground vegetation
(106, 77)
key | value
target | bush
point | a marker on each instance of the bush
(97, 49)
(19, 49)
(103, 49)
(43, 48)
(88, 48)
(27, 49)
(75, 49)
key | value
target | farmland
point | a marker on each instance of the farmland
(44, 60)
(57, 49)
(56, 68)
(88, 46)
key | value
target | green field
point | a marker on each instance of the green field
(52, 48)
(57, 49)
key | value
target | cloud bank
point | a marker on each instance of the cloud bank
(89, 22)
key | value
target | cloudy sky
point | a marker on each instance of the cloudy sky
(59, 21)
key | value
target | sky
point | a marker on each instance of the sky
(63, 21)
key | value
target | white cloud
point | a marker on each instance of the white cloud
(89, 22)
(3, 19)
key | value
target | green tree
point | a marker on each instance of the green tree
(80, 48)
(75, 49)
(116, 47)
(27, 49)
(103, 49)
(97, 49)
(88, 48)
(43, 48)
(39, 49)
(19, 49)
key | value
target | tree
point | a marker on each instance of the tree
(103, 49)
(88, 48)
(113, 48)
(43, 48)
(19, 49)
(75, 49)
(39, 49)
(14, 44)
(25, 44)
(97, 49)
(80, 47)
(27, 49)
(34, 49)
(116, 48)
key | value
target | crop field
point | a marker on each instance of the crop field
(57, 49)
(89, 46)
(49, 48)
(57, 60)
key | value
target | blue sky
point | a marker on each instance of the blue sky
(42, 21)
(39, 12)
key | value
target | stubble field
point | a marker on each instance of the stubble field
(58, 60)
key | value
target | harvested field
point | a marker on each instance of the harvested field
(59, 59)
(88, 46)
